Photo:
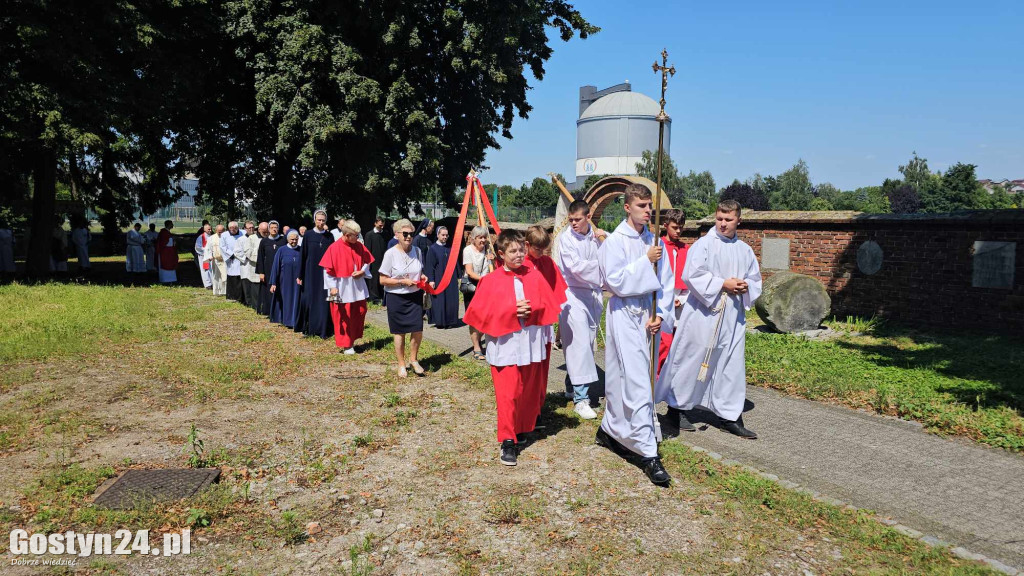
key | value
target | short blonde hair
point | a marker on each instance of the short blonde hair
(403, 223)
(350, 227)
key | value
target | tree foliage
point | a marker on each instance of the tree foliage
(792, 189)
(749, 197)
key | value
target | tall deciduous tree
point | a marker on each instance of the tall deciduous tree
(361, 106)
(749, 197)
(793, 190)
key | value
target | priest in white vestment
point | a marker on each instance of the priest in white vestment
(724, 280)
(200, 250)
(218, 269)
(135, 257)
(626, 260)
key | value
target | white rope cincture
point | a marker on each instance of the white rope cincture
(702, 374)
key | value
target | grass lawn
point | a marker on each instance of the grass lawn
(964, 384)
(397, 474)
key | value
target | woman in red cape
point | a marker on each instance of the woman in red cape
(346, 267)
(514, 308)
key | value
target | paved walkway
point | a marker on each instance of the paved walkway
(954, 490)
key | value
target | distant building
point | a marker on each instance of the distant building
(1011, 186)
(183, 209)
(615, 126)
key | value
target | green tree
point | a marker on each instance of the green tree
(998, 198)
(671, 183)
(87, 85)
(699, 187)
(792, 189)
(365, 106)
(928, 185)
(961, 190)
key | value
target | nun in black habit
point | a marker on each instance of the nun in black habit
(314, 309)
(444, 312)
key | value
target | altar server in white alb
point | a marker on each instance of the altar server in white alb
(706, 366)
(626, 259)
(579, 319)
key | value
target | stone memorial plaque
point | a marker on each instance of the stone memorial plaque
(775, 253)
(993, 264)
(869, 257)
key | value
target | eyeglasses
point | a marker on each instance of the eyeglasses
(406, 234)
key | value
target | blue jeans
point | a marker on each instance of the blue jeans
(579, 393)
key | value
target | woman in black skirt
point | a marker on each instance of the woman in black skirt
(400, 270)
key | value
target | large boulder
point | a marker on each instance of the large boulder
(792, 302)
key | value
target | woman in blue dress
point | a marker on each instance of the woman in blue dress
(284, 290)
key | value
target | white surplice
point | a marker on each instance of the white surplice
(218, 270)
(579, 319)
(80, 237)
(232, 247)
(149, 245)
(349, 289)
(525, 346)
(135, 258)
(709, 263)
(630, 277)
(249, 257)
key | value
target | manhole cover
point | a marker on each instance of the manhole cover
(135, 486)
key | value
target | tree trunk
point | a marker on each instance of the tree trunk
(44, 204)
(282, 201)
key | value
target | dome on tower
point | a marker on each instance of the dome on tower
(622, 104)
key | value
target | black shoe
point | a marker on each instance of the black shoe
(655, 471)
(678, 417)
(508, 453)
(736, 427)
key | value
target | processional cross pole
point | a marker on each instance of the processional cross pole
(662, 118)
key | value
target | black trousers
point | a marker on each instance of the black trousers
(234, 288)
(251, 292)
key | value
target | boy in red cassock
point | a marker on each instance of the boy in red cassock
(676, 248)
(514, 307)
(538, 241)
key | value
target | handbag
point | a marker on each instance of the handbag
(428, 301)
(466, 285)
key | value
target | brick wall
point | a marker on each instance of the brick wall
(927, 267)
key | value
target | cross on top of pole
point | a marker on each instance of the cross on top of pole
(666, 71)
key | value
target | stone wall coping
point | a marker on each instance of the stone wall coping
(970, 217)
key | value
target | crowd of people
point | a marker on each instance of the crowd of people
(690, 301)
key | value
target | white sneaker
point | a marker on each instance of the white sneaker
(349, 351)
(584, 410)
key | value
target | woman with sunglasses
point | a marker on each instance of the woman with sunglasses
(400, 271)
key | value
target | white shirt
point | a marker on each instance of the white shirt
(470, 255)
(396, 264)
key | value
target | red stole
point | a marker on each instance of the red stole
(546, 266)
(677, 256)
(206, 263)
(342, 259)
(168, 254)
(493, 309)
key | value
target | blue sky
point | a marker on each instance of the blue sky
(852, 87)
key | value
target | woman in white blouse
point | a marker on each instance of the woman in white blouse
(400, 271)
(477, 263)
